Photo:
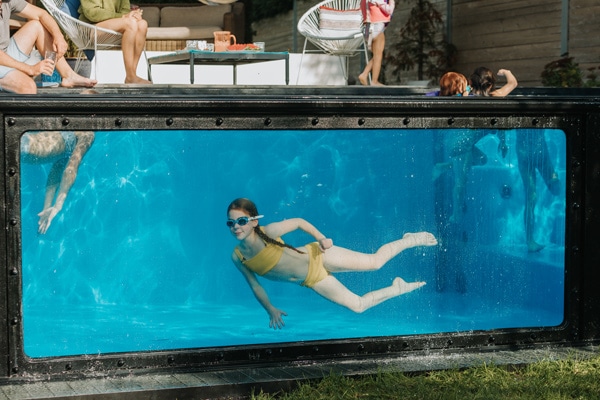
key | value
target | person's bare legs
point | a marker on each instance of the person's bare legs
(378, 47)
(34, 34)
(132, 44)
(43, 42)
(335, 291)
(374, 64)
(339, 259)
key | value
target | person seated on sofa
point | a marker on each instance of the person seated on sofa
(19, 63)
(118, 16)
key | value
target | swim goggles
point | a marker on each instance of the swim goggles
(241, 221)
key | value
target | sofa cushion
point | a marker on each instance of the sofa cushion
(194, 16)
(151, 15)
(182, 33)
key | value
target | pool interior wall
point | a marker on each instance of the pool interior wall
(138, 259)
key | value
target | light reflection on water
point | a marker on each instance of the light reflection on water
(139, 257)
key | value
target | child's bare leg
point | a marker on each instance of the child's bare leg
(335, 291)
(339, 259)
(409, 240)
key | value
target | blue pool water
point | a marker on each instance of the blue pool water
(139, 257)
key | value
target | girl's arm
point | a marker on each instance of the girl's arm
(511, 84)
(278, 229)
(275, 314)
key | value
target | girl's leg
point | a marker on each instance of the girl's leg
(339, 259)
(378, 47)
(333, 290)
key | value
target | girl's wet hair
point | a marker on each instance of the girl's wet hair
(248, 206)
(483, 81)
(452, 83)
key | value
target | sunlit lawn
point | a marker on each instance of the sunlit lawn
(565, 379)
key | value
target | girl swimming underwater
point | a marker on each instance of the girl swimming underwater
(262, 252)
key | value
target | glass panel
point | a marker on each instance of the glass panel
(140, 258)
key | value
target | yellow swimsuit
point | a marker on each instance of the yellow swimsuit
(267, 259)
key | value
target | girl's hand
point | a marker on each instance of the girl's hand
(276, 316)
(325, 244)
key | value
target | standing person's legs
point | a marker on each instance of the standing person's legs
(378, 47)
(376, 43)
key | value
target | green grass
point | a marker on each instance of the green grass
(551, 380)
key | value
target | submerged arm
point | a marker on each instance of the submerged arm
(275, 314)
(278, 229)
(59, 184)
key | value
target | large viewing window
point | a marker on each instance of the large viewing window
(139, 257)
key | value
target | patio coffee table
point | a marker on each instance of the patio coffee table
(234, 58)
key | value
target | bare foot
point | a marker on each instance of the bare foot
(404, 287)
(138, 80)
(534, 247)
(76, 80)
(439, 169)
(376, 83)
(420, 239)
(364, 79)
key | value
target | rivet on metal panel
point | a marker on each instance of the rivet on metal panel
(406, 121)
(450, 120)
(494, 121)
(315, 121)
(219, 121)
(66, 121)
(169, 121)
(535, 121)
(118, 122)
(11, 121)
(12, 171)
(361, 121)
(267, 121)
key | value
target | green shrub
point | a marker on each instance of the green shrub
(562, 73)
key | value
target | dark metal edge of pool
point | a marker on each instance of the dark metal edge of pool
(240, 383)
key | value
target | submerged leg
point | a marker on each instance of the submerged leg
(339, 259)
(335, 291)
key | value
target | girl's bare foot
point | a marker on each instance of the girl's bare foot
(404, 287)
(138, 80)
(420, 239)
(364, 79)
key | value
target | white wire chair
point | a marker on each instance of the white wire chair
(85, 36)
(340, 43)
